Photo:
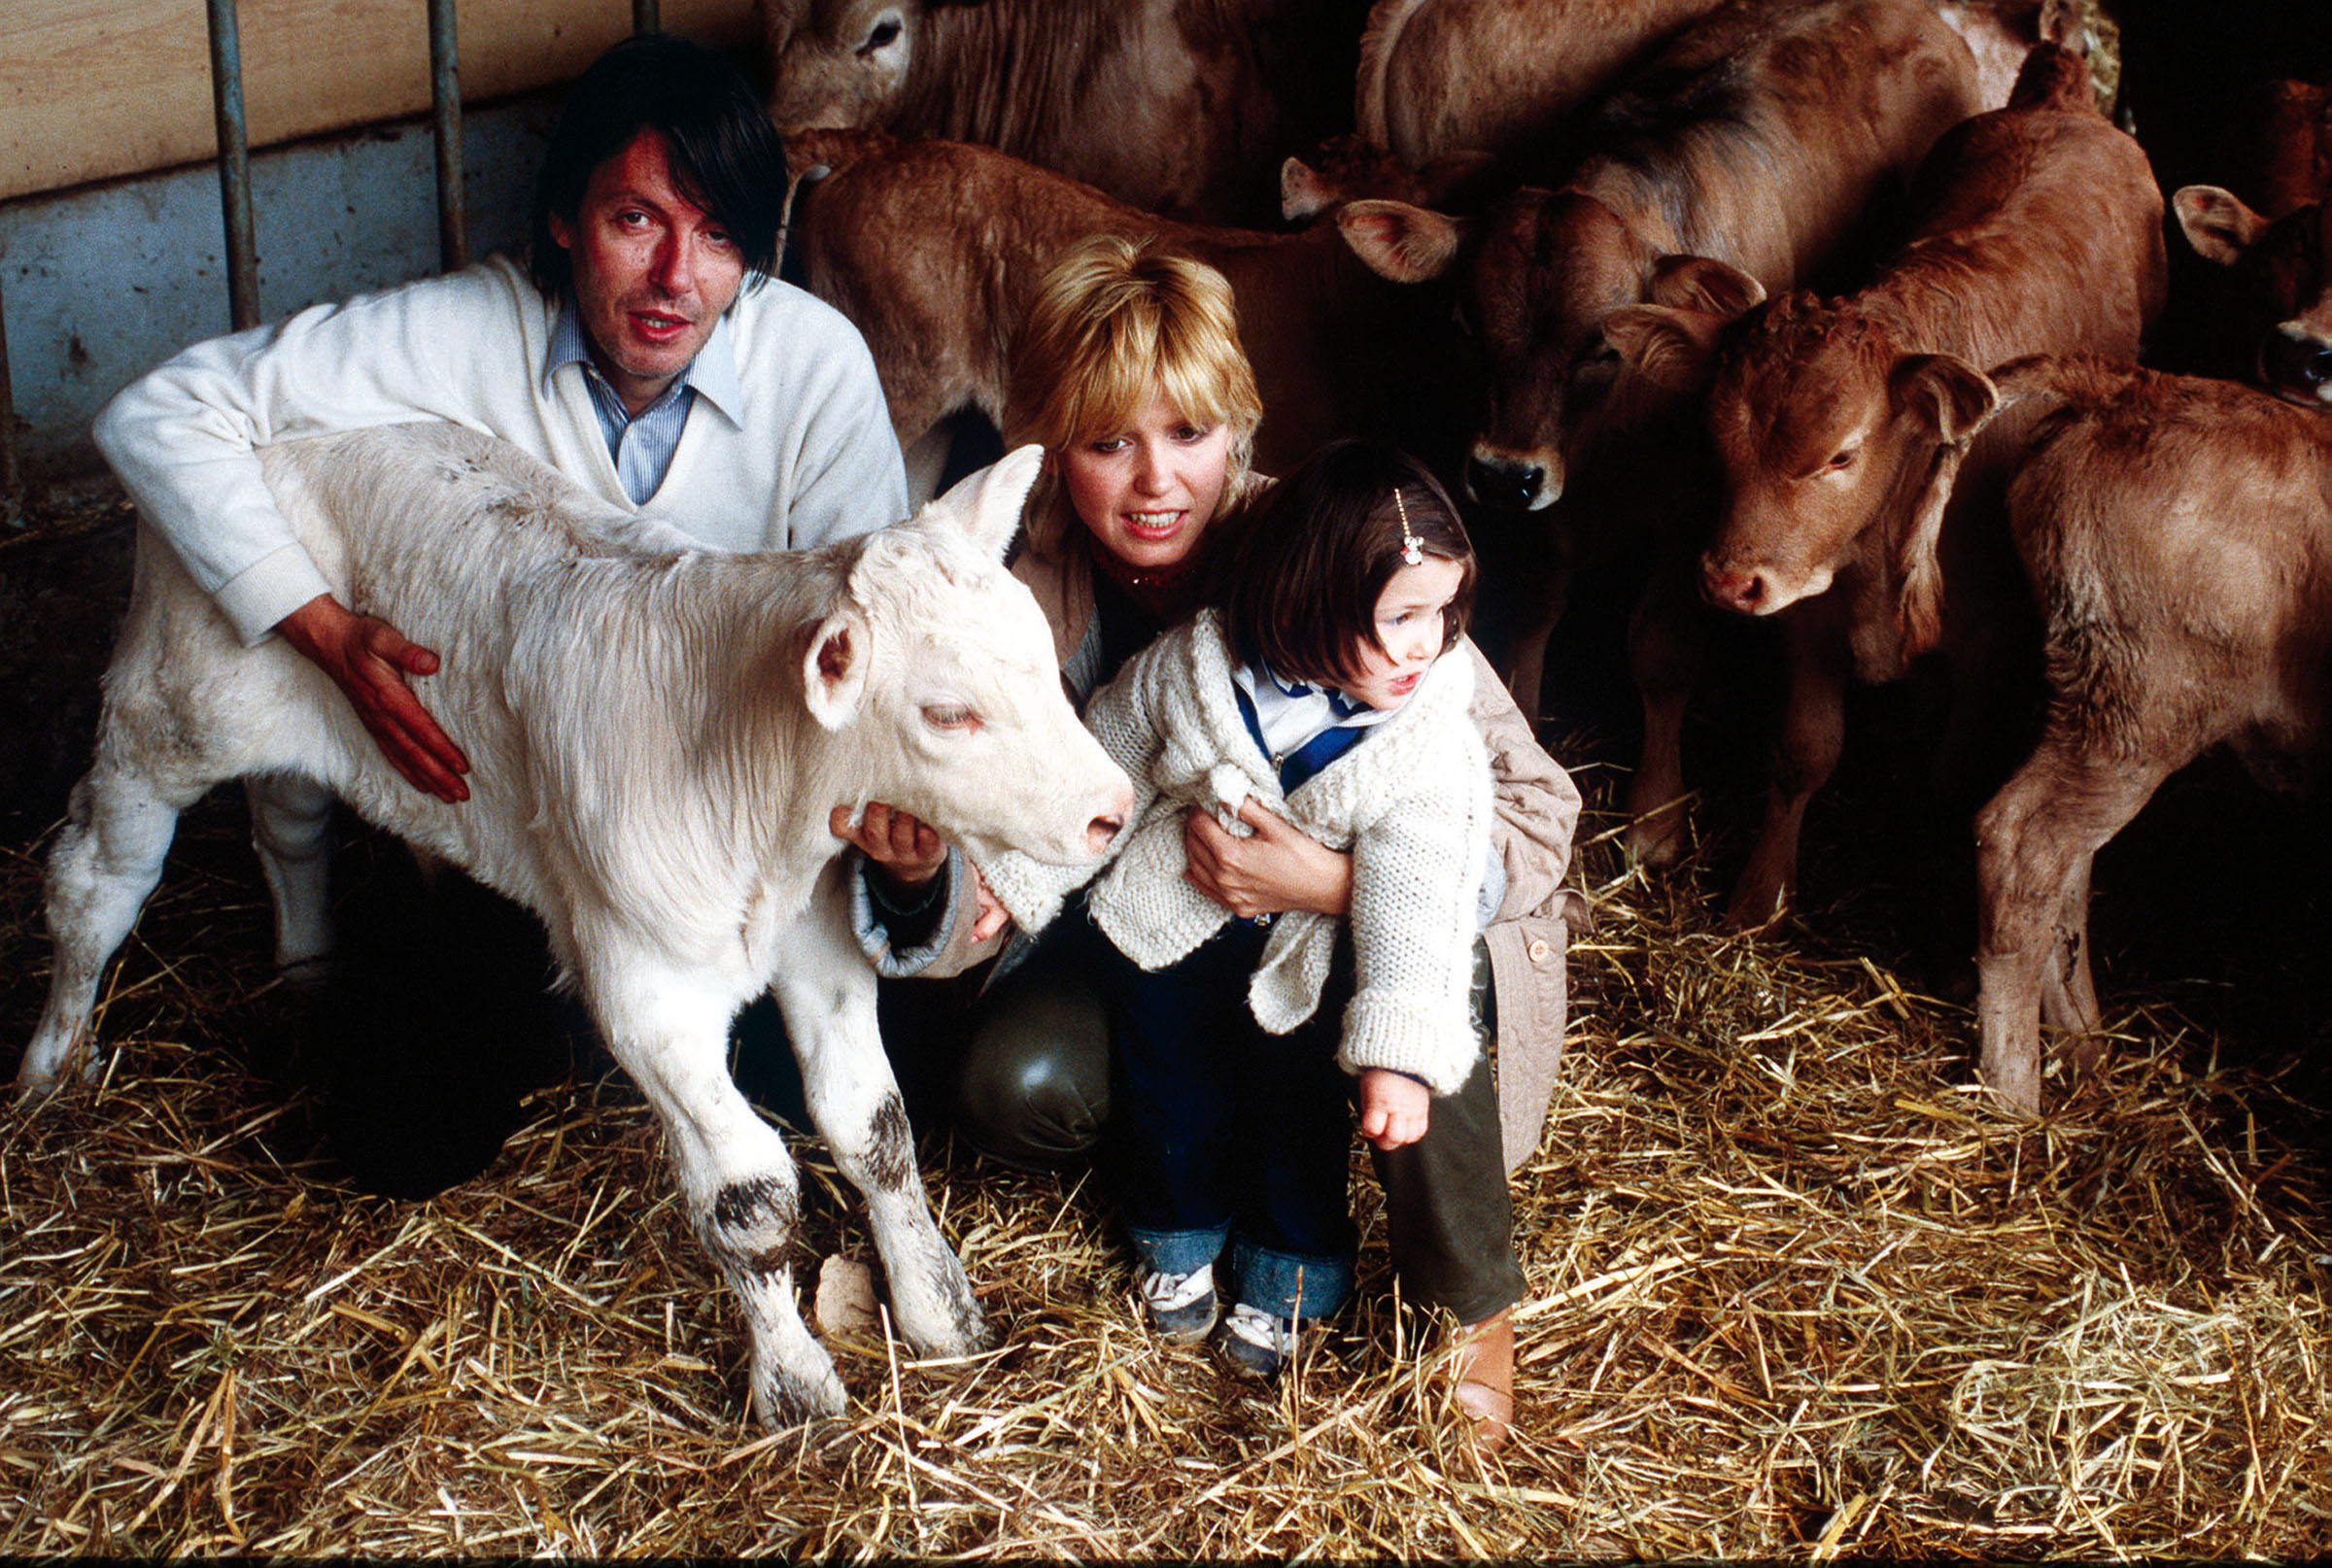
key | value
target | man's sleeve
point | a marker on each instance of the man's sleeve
(181, 437)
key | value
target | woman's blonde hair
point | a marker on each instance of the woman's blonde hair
(1115, 320)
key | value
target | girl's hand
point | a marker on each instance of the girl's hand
(1281, 868)
(909, 853)
(1394, 1109)
(993, 916)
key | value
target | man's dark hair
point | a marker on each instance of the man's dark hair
(725, 155)
(1300, 583)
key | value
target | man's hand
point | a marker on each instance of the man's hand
(993, 916)
(368, 659)
(909, 853)
(1394, 1109)
(1281, 868)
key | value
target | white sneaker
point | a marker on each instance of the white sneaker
(1255, 1342)
(1181, 1305)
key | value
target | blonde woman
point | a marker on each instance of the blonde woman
(1128, 371)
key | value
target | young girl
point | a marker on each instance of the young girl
(1313, 684)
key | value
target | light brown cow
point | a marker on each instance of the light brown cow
(1183, 107)
(1458, 97)
(934, 248)
(1496, 77)
(2178, 535)
(1765, 137)
(1859, 504)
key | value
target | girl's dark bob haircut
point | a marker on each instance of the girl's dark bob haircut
(725, 155)
(1300, 584)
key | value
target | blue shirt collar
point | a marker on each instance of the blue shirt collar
(711, 374)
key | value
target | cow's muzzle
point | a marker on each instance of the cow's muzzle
(1511, 482)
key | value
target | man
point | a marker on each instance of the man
(645, 353)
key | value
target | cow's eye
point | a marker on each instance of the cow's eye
(1841, 458)
(885, 35)
(952, 717)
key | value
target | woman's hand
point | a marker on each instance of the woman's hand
(908, 852)
(1394, 1109)
(368, 659)
(1281, 868)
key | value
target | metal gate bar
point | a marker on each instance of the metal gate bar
(234, 165)
(445, 121)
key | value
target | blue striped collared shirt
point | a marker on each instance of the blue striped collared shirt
(641, 445)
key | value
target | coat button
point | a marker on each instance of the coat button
(1539, 949)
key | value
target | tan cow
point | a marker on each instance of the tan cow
(934, 248)
(2178, 535)
(1183, 107)
(1762, 137)
(1841, 426)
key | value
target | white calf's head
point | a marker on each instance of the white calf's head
(936, 676)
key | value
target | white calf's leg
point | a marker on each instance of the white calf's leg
(827, 995)
(672, 1036)
(106, 863)
(291, 828)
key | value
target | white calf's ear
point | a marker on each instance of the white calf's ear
(834, 670)
(986, 505)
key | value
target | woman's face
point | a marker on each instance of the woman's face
(1146, 493)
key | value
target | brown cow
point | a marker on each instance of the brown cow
(2273, 324)
(1763, 136)
(2268, 318)
(1859, 505)
(933, 248)
(2178, 535)
(1496, 77)
(1183, 107)
(1456, 98)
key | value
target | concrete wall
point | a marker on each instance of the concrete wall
(99, 283)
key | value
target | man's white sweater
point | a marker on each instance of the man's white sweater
(1412, 802)
(795, 449)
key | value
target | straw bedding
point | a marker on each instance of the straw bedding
(1793, 1291)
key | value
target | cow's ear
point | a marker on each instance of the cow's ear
(834, 669)
(1705, 284)
(1304, 193)
(1958, 396)
(1398, 241)
(986, 505)
(2217, 224)
(1677, 348)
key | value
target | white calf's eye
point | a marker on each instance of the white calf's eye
(951, 716)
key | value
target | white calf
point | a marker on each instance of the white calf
(657, 736)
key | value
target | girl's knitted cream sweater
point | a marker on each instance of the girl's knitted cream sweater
(1412, 802)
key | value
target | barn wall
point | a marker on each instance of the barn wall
(102, 283)
(96, 90)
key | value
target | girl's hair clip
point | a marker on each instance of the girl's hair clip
(1413, 550)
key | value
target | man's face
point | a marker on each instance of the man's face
(653, 271)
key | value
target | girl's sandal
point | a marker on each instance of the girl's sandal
(1481, 1362)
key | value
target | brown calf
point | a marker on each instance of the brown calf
(1860, 504)
(2268, 320)
(933, 248)
(1763, 136)
(1177, 106)
(2177, 532)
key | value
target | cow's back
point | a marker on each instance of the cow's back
(1769, 136)
(2178, 533)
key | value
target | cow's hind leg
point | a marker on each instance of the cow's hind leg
(105, 865)
(737, 1181)
(827, 995)
(2035, 843)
